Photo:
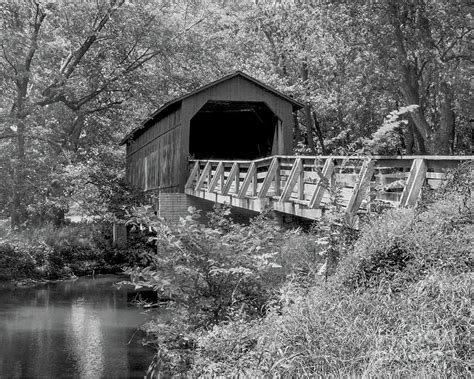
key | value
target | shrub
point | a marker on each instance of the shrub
(422, 332)
(52, 253)
(398, 305)
(212, 274)
(403, 245)
(380, 251)
(219, 271)
(16, 264)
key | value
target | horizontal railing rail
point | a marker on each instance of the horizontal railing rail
(307, 186)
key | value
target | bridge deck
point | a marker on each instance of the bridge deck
(306, 186)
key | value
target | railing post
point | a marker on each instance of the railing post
(365, 176)
(301, 185)
(203, 177)
(318, 192)
(251, 173)
(217, 175)
(271, 175)
(292, 179)
(194, 174)
(233, 175)
(255, 183)
(414, 183)
(222, 178)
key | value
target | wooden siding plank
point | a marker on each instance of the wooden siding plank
(248, 179)
(366, 174)
(271, 174)
(292, 179)
(414, 183)
(318, 192)
(155, 165)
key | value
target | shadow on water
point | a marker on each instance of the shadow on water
(77, 328)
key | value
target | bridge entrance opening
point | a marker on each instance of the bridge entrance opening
(232, 130)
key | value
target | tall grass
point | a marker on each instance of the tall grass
(398, 305)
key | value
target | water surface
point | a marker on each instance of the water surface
(82, 328)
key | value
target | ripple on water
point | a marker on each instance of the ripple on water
(80, 328)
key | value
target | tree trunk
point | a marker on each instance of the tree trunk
(309, 129)
(76, 131)
(18, 210)
(319, 133)
(297, 134)
(409, 86)
(307, 110)
(410, 90)
(444, 139)
(420, 142)
(410, 137)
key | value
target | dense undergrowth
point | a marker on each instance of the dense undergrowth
(256, 301)
(51, 252)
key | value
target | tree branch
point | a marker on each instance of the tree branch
(8, 60)
(84, 48)
(39, 18)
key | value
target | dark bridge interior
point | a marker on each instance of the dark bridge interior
(232, 130)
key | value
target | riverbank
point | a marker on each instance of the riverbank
(48, 253)
(392, 299)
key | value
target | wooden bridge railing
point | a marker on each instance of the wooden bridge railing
(306, 185)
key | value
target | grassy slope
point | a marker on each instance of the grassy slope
(398, 305)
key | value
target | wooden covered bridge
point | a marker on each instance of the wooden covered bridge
(231, 142)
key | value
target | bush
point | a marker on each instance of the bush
(213, 274)
(422, 332)
(14, 264)
(401, 246)
(50, 252)
(398, 304)
(380, 251)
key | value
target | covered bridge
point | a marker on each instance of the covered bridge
(234, 118)
(236, 134)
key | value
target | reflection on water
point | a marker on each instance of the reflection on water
(87, 341)
(71, 329)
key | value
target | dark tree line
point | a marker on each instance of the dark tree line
(75, 77)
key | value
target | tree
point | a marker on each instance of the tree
(425, 45)
(66, 70)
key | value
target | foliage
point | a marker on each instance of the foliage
(49, 252)
(397, 305)
(214, 273)
(418, 333)
(67, 71)
(76, 78)
(400, 246)
(385, 140)
(15, 265)
(217, 271)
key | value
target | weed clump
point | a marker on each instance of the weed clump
(51, 252)
(392, 300)
(399, 304)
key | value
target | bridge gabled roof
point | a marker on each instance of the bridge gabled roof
(175, 102)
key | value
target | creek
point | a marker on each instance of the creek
(83, 328)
